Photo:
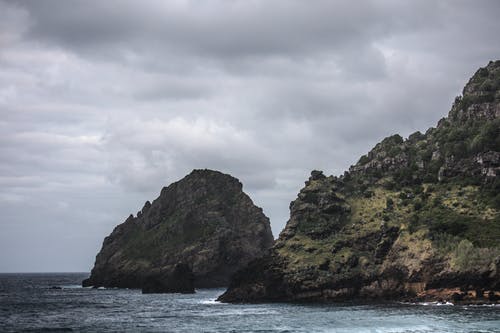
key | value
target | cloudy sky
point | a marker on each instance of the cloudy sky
(104, 102)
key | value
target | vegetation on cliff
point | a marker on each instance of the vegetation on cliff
(410, 218)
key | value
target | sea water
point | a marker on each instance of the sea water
(56, 302)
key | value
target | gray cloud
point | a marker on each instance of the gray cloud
(104, 102)
(225, 28)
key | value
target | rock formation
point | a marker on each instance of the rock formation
(204, 222)
(414, 219)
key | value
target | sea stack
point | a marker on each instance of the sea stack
(415, 219)
(201, 229)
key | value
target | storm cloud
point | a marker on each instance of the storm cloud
(104, 102)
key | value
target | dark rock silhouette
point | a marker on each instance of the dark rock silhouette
(204, 221)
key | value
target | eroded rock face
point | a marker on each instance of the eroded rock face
(413, 219)
(204, 221)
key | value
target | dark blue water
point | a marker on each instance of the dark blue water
(27, 303)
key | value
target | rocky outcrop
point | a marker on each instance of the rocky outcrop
(415, 219)
(204, 221)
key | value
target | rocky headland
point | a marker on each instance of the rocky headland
(197, 233)
(415, 219)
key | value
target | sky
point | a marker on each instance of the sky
(102, 103)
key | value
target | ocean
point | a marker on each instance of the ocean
(57, 303)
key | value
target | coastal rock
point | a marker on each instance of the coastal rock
(204, 221)
(179, 279)
(415, 219)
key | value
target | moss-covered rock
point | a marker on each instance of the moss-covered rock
(411, 217)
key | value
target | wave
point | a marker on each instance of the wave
(428, 303)
(211, 301)
(72, 286)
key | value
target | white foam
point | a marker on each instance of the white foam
(72, 286)
(436, 303)
(483, 305)
(237, 312)
(211, 301)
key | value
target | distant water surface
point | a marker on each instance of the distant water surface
(30, 303)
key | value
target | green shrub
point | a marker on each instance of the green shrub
(440, 219)
(393, 151)
(462, 256)
(437, 201)
(413, 223)
(426, 154)
(430, 178)
(488, 138)
(481, 73)
(495, 201)
(445, 243)
(466, 257)
(389, 203)
(363, 159)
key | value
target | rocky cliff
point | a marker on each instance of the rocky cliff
(414, 219)
(204, 221)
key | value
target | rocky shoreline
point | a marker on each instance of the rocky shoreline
(456, 296)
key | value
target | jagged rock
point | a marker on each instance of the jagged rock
(413, 219)
(204, 220)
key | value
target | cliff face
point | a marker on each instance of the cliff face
(413, 219)
(204, 221)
